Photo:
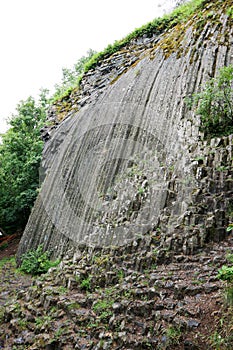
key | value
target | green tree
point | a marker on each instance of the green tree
(214, 104)
(71, 77)
(20, 155)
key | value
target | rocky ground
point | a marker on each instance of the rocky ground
(112, 300)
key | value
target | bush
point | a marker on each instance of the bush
(36, 262)
(71, 77)
(214, 104)
(226, 273)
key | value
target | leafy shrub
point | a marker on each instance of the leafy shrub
(36, 262)
(230, 12)
(214, 104)
(226, 273)
(71, 77)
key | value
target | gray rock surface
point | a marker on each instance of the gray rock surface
(126, 167)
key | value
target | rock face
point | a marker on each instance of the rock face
(128, 163)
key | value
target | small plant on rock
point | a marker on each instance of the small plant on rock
(173, 334)
(36, 262)
(214, 104)
(226, 274)
(86, 284)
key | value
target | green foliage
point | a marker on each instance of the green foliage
(230, 12)
(214, 104)
(226, 273)
(102, 305)
(230, 228)
(217, 340)
(62, 290)
(103, 308)
(229, 258)
(36, 262)
(174, 334)
(20, 155)
(86, 284)
(43, 321)
(21, 148)
(120, 275)
(157, 26)
(72, 77)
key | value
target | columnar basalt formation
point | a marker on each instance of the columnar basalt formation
(128, 162)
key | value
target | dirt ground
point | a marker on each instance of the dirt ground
(9, 246)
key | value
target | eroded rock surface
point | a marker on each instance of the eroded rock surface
(130, 161)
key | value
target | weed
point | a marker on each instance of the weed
(86, 284)
(217, 340)
(73, 306)
(22, 323)
(92, 325)
(173, 334)
(226, 273)
(103, 309)
(102, 305)
(214, 105)
(120, 275)
(109, 291)
(230, 12)
(197, 281)
(141, 190)
(229, 257)
(60, 331)
(43, 321)
(62, 290)
(36, 262)
(222, 168)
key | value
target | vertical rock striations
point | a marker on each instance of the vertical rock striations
(131, 164)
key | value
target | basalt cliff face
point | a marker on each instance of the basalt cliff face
(128, 166)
